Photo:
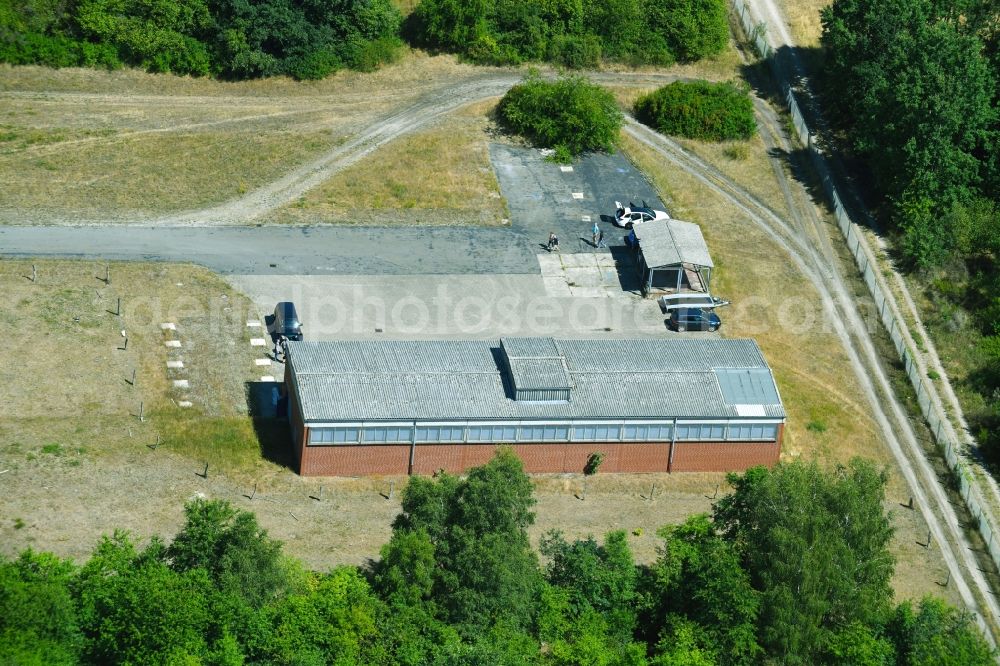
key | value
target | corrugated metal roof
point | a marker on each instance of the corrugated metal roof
(392, 380)
(672, 242)
(747, 386)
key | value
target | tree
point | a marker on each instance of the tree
(485, 569)
(937, 635)
(334, 622)
(816, 547)
(691, 29)
(698, 588)
(915, 91)
(160, 35)
(233, 549)
(38, 623)
(596, 578)
(134, 609)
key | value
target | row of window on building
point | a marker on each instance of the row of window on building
(509, 433)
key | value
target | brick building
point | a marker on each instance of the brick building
(413, 407)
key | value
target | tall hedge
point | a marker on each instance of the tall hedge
(305, 39)
(571, 115)
(699, 110)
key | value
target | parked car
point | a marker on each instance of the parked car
(694, 319)
(286, 321)
(626, 216)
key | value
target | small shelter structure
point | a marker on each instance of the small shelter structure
(672, 256)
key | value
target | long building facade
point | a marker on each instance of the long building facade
(361, 408)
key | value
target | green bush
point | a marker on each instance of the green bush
(593, 464)
(58, 51)
(699, 110)
(575, 51)
(570, 114)
(692, 29)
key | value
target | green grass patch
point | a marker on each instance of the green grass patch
(230, 444)
(817, 426)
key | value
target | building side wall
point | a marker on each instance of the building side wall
(723, 456)
(644, 457)
(300, 433)
(358, 460)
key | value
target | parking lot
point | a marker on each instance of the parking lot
(547, 197)
(578, 291)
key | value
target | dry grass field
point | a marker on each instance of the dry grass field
(803, 19)
(438, 176)
(82, 145)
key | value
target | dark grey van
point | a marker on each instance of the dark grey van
(286, 321)
(694, 319)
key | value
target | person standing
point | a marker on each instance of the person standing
(596, 231)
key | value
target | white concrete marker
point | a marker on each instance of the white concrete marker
(173, 343)
(184, 403)
(168, 326)
(262, 361)
(253, 324)
(566, 169)
(585, 218)
(578, 195)
(257, 342)
(267, 378)
(175, 365)
(181, 383)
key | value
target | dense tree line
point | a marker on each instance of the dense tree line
(914, 87)
(573, 33)
(791, 568)
(305, 39)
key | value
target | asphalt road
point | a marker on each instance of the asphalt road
(538, 192)
(320, 250)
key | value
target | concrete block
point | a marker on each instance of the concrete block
(175, 365)
(578, 195)
(262, 361)
(184, 403)
(181, 383)
(168, 326)
(267, 378)
(566, 169)
(253, 324)
(258, 342)
(173, 343)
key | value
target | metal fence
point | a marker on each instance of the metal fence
(927, 397)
